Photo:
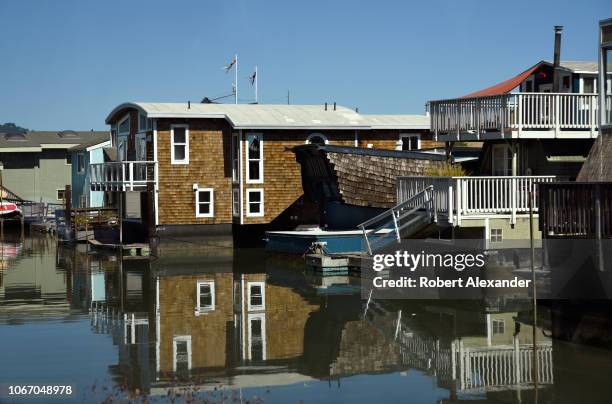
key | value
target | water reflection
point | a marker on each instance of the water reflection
(253, 323)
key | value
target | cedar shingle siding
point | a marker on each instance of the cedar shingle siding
(598, 166)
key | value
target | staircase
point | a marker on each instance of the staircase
(402, 220)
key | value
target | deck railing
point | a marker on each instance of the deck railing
(556, 112)
(455, 197)
(122, 175)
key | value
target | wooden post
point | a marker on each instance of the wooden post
(120, 209)
(534, 294)
(68, 208)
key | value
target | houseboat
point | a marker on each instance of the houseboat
(227, 171)
(536, 127)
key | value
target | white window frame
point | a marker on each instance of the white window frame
(57, 194)
(180, 338)
(236, 202)
(261, 159)
(262, 317)
(312, 135)
(261, 306)
(402, 136)
(496, 323)
(497, 235)
(186, 144)
(203, 310)
(248, 202)
(212, 202)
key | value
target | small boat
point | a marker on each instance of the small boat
(9, 210)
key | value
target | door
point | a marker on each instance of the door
(501, 160)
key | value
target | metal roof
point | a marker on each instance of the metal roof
(34, 141)
(398, 121)
(578, 66)
(269, 116)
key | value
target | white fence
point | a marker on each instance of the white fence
(122, 176)
(455, 197)
(556, 112)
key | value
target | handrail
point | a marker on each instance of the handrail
(122, 175)
(399, 212)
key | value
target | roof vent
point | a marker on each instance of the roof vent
(15, 136)
(67, 134)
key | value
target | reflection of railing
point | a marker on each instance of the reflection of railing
(515, 111)
(479, 367)
(122, 176)
(455, 197)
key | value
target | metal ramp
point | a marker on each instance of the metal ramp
(402, 220)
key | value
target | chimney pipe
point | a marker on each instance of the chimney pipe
(326, 106)
(334, 105)
(188, 104)
(557, 59)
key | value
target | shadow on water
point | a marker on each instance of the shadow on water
(233, 325)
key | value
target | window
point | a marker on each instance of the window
(179, 135)
(235, 153)
(80, 163)
(499, 327)
(254, 168)
(205, 202)
(122, 138)
(501, 160)
(256, 295)
(496, 235)
(410, 142)
(257, 337)
(529, 86)
(588, 85)
(316, 138)
(255, 203)
(206, 297)
(182, 354)
(236, 202)
(61, 194)
(144, 123)
(124, 126)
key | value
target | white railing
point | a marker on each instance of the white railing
(387, 226)
(455, 197)
(518, 112)
(122, 176)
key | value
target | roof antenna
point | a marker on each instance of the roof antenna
(188, 104)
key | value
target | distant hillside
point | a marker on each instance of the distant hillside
(10, 127)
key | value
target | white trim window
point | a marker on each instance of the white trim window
(181, 353)
(496, 235)
(257, 337)
(254, 167)
(256, 295)
(411, 141)
(236, 202)
(205, 202)
(255, 202)
(179, 139)
(498, 326)
(317, 138)
(61, 194)
(205, 291)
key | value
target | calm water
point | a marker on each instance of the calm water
(222, 325)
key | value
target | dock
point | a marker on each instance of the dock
(128, 251)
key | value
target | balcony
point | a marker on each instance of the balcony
(456, 198)
(516, 115)
(122, 176)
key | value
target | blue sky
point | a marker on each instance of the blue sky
(66, 64)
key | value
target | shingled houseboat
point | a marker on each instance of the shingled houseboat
(223, 170)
